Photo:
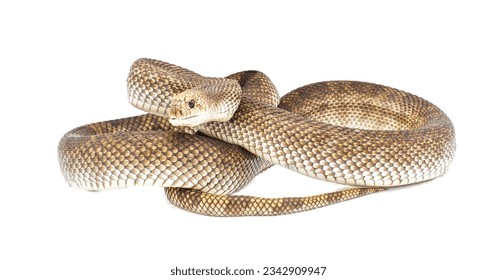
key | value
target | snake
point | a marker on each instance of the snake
(204, 138)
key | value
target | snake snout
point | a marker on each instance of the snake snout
(172, 113)
(179, 115)
(175, 116)
(175, 109)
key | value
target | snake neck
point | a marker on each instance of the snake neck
(224, 99)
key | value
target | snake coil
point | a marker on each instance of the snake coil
(360, 134)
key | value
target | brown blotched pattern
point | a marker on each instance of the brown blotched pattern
(228, 206)
(144, 151)
(364, 134)
(352, 133)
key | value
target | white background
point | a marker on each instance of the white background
(65, 64)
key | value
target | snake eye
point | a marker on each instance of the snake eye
(191, 104)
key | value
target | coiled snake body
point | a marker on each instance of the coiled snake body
(354, 133)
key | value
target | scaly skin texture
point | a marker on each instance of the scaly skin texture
(241, 205)
(377, 135)
(352, 133)
(146, 151)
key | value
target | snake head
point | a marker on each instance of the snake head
(189, 108)
(196, 106)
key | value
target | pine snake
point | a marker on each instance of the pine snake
(359, 134)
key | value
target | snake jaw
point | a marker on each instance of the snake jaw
(191, 121)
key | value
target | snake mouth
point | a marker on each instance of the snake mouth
(179, 119)
(184, 121)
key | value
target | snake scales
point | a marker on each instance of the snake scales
(354, 133)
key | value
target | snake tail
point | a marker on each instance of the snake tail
(240, 205)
